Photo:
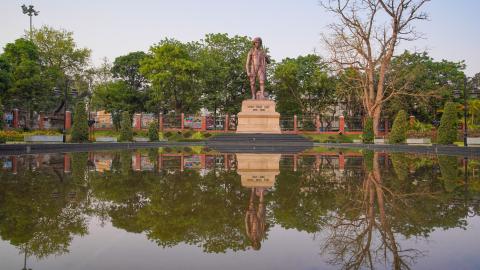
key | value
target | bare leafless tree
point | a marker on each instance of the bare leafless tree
(365, 39)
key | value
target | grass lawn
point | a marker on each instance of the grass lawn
(333, 138)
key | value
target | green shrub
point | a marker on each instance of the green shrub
(368, 156)
(168, 134)
(3, 139)
(153, 131)
(368, 134)
(207, 135)
(187, 134)
(80, 124)
(126, 132)
(447, 132)
(399, 128)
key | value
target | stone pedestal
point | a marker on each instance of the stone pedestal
(258, 170)
(258, 116)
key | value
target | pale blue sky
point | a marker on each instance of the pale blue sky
(289, 27)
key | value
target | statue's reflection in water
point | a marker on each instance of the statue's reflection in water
(258, 172)
(255, 218)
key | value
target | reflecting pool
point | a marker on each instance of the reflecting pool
(193, 208)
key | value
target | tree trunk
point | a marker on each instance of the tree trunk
(376, 120)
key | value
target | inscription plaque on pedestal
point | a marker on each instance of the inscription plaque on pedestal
(258, 116)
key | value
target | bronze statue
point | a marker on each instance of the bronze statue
(257, 61)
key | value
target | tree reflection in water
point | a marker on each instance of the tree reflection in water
(360, 234)
(360, 205)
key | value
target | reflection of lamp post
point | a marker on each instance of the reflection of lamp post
(25, 260)
(30, 11)
(457, 95)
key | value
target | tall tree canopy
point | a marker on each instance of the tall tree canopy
(173, 70)
(302, 85)
(127, 68)
(24, 87)
(365, 38)
(223, 71)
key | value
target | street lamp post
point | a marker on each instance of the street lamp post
(30, 11)
(65, 100)
(465, 104)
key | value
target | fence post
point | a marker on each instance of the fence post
(341, 124)
(138, 121)
(225, 126)
(295, 126)
(204, 123)
(40, 120)
(317, 123)
(160, 122)
(182, 124)
(66, 163)
(15, 118)
(68, 120)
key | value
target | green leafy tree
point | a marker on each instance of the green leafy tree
(5, 75)
(153, 131)
(63, 61)
(420, 85)
(173, 70)
(222, 71)
(303, 86)
(80, 123)
(27, 87)
(447, 132)
(117, 96)
(399, 129)
(127, 68)
(126, 131)
(368, 133)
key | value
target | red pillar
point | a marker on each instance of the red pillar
(66, 164)
(341, 162)
(14, 164)
(160, 162)
(138, 161)
(341, 124)
(15, 118)
(225, 162)
(41, 124)
(181, 162)
(202, 161)
(182, 120)
(138, 121)
(227, 120)
(204, 123)
(295, 161)
(295, 127)
(68, 119)
(412, 120)
(160, 122)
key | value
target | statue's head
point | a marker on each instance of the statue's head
(257, 42)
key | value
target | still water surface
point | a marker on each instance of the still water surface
(187, 209)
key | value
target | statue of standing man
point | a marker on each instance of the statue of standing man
(257, 61)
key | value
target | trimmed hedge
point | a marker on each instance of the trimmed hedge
(368, 133)
(399, 129)
(153, 131)
(126, 131)
(80, 124)
(447, 132)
